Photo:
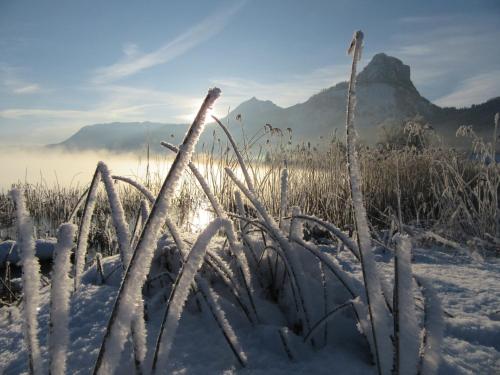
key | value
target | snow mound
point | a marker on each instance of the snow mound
(9, 250)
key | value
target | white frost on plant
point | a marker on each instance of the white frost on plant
(144, 190)
(60, 292)
(31, 281)
(180, 292)
(296, 225)
(140, 264)
(139, 334)
(241, 162)
(211, 298)
(220, 212)
(283, 196)
(235, 246)
(379, 315)
(241, 210)
(142, 217)
(407, 333)
(336, 232)
(352, 285)
(290, 257)
(250, 247)
(174, 231)
(433, 329)
(117, 214)
(83, 234)
(364, 325)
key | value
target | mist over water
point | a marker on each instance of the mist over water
(73, 169)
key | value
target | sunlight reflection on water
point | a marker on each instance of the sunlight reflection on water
(200, 218)
(63, 169)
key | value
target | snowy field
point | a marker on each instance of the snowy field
(469, 290)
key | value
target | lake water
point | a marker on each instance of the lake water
(53, 168)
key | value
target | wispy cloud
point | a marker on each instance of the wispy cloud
(415, 20)
(134, 62)
(474, 90)
(28, 89)
(448, 53)
(114, 103)
(10, 80)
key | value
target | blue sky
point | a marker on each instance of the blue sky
(68, 63)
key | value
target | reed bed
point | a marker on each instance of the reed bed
(357, 199)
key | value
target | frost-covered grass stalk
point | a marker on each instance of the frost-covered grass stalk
(406, 330)
(84, 228)
(323, 321)
(31, 281)
(180, 293)
(117, 214)
(144, 190)
(290, 257)
(142, 217)
(346, 240)
(211, 299)
(234, 245)
(60, 293)
(241, 162)
(379, 315)
(433, 329)
(350, 284)
(283, 196)
(138, 269)
(139, 336)
(249, 247)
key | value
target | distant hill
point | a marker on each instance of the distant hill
(385, 95)
(119, 136)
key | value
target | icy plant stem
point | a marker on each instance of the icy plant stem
(60, 292)
(433, 330)
(333, 229)
(31, 281)
(71, 217)
(250, 246)
(290, 257)
(138, 268)
(180, 293)
(283, 196)
(84, 228)
(139, 336)
(346, 280)
(324, 320)
(243, 167)
(235, 247)
(141, 218)
(406, 330)
(379, 316)
(118, 215)
(210, 298)
(144, 190)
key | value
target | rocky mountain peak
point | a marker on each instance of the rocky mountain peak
(386, 69)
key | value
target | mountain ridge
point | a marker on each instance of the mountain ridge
(385, 95)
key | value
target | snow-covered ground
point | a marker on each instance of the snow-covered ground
(468, 288)
(470, 292)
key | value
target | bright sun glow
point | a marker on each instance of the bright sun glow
(200, 219)
(194, 107)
